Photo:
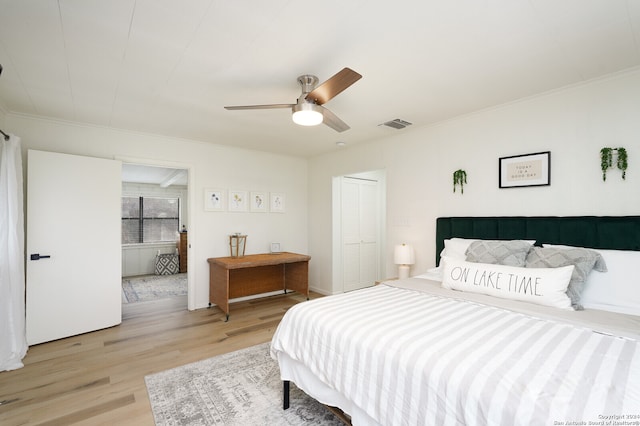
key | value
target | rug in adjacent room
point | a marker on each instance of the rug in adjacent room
(153, 287)
(239, 388)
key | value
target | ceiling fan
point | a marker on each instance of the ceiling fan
(308, 109)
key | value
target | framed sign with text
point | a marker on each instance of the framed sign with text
(525, 170)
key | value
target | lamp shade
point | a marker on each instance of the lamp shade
(403, 255)
(307, 114)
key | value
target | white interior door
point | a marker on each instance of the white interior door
(73, 216)
(359, 232)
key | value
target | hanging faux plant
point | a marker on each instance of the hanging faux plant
(622, 162)
(606, 161)
(459, 178)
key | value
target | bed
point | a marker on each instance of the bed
(421, 351)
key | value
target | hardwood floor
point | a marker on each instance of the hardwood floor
(98, 378)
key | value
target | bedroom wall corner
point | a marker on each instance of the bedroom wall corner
(574, 123)
(403, 222)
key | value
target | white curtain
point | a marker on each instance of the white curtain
(13, 341)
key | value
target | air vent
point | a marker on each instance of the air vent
(396, 124)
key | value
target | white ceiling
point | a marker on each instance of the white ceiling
(168, 67)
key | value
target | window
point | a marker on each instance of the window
(149, 219)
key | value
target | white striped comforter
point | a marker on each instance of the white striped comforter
(410, 358)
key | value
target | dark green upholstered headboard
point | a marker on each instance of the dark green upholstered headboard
(603, 232)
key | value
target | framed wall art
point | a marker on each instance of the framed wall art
(214, 200)
(237, 201)
(525, 170)
(259, 202)
(277, 202)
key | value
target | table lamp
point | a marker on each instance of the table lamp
(404, 257)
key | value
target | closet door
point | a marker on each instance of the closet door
(359, 220)
(73, 245)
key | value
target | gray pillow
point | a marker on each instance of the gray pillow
(498, 252)
(583, 260)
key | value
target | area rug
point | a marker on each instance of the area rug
(239, 388)
(153, 287)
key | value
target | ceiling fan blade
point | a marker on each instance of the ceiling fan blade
(334, 86)
(270, 106)
(332, 120)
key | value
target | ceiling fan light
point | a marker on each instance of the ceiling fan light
(307, 114)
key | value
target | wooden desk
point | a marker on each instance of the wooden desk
(232, 277)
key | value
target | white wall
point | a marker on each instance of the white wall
(212, 165)
(573, 123)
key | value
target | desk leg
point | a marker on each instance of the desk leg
(296, 277)
(219, 287)
(226, 313)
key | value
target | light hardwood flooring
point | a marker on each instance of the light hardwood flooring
(98, 378)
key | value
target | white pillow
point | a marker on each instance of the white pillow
(616, 290)
(456, 248)
(542, 286)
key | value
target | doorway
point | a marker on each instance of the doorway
(155, 240)
(358, 230)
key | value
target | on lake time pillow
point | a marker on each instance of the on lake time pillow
(542, 286)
